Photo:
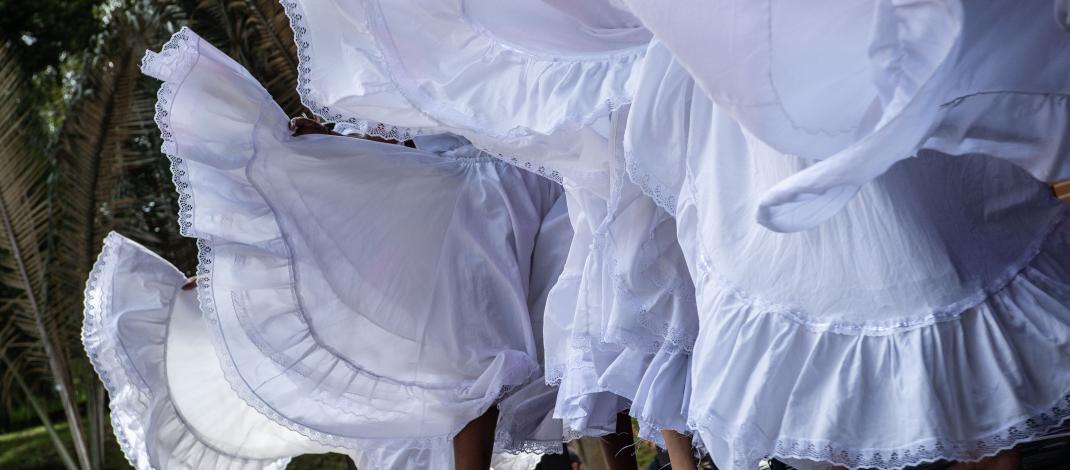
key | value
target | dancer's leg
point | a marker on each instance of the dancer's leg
(1006, 460)
(681, 456)
(620, 446)
(473, 447)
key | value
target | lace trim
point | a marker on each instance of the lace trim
(506, 443)
(104, 360)
(295, 13)
(930, 451)
(172, 64)
(118, 373)
(456, 118)
(651, 186)
(665, 335)
(1030, 427)
(209, 308)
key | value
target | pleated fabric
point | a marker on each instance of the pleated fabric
(365, 295)
(171, 407)
(927, 320)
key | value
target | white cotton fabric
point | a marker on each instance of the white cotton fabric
(862, 85)
(929, 319)
(365, 295)
(171, 408)
(621, 319)
(539, 85)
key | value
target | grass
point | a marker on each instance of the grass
(31, 449)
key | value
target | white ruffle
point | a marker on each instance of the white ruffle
(273, 356)
(878, 91)
(982, 383)
(800, 78)
(131, 319)
(455, 70)
(929, 265)
(623, 314)
(400, 70)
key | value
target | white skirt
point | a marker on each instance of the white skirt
(862, 85)
(929, 319)
(621, 321)
(365, 295)
(171, 407)
(541, 85)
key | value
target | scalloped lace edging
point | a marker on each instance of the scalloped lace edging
(364, 126)
(172, 64)
(651, 187)
(99, 348)
(966, 450)
(506, 443)
(464, 119)
(116, 371)
(299, 26)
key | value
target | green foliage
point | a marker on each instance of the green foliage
(79, 156)
(41, 32)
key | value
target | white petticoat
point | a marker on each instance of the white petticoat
(621, 320)
(171, 405)
(524, 79)
(538, 84)
(362, 294)
(862, 85)
(929, 319)
(171, 408)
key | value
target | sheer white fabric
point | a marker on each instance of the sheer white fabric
(171, 408)
(862, 85)
(929, 319)
(622, 319)
(365, 295)
(523, 80)
(539, 85)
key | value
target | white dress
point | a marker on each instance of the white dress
(171, 407)
(541, 85)
(928, 319)
(862, 85)
(621, 320)
(365, 295)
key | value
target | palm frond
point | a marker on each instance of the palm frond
(24, 216)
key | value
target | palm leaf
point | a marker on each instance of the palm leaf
(24, 232)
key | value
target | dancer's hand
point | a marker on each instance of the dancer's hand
(190, 284)
(302, 125)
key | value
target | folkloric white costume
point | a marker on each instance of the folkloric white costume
(544, 86)
(923, 314)
(171, 407)
(366, 295)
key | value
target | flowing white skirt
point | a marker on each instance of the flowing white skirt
(171, 407)
(929, 319)
(862, 85)
(540, 85)
(365, 295)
